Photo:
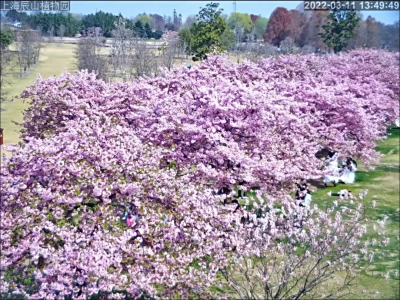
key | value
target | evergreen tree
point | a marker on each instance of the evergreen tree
(180, 21)
(340, 28)
(175, 18)
(6, 39)
(65, 23)
(101, 19)
(207, 32)
(16, 16)
(139, 29)
(148, 31)
(157, 34)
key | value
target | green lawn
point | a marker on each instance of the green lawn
(54, 59)
(383, 187)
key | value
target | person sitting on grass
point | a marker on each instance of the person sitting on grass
(342, 194)
(345, 194)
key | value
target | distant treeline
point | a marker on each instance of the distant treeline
(294, 27)
(68, 24)
(304, 27)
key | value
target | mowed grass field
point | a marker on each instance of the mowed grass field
(382, 183)
(383, 186)
(54, 59)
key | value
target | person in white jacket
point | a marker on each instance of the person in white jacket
(303, 198)
(349, 175)
(332, 171)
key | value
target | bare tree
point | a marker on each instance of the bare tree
(367, 34)
(171, 49)
(94, 32)
(61, 32)
(297, 23)
(300, 8)
(307, 49)
(309, 35)
(89, 57)
(373, 33)
(28, 47)
(360, 38)
(320, 258)
(121, 50)
(167, 57)
(37, 46)
(189, 21)
(51, 34)
(184, 43)
(157, 22)
(6, 66)
(144, 61)
(40, 31)
(239, 31)
(287, 46)
(131, 57)
(254, 51)
(394, 33)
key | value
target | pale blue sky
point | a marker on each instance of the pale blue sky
(132, 8)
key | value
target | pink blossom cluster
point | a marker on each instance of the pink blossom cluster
(282, 257)
(255, 123)
(118, 186)
(63, 199)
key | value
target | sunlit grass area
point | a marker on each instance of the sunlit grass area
(54, 60)
(382, 184)
(383, 187)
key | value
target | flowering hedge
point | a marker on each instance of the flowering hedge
(164, 149)
(269, 118)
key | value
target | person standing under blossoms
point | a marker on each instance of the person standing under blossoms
(332, 170)
(304, 198)
(349, 172)
(307, 199)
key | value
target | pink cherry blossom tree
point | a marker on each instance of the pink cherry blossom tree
(257, 123)
(126, 186)
(63, 203)
(296, 254)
